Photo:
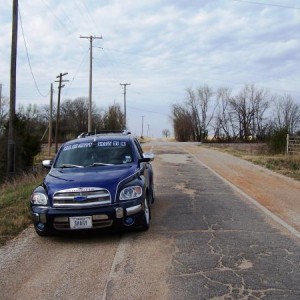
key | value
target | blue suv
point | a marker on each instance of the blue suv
(95, 181)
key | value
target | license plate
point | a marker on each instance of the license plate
(80, 222)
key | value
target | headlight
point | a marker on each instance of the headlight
(39, 199)
(131, 192)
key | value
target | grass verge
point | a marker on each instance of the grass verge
(288, 165)
(14, 205)
(282, 164)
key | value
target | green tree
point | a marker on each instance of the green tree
(27, 144)
(277, 143)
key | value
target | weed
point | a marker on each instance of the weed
(283, 164)
(14, 205)
(288, 165)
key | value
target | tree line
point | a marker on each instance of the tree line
(249, 114)
(31, 127)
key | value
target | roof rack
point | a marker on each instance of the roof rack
(85, 134)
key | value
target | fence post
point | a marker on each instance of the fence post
(287, 143)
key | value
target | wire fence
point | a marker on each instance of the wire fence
(293, 144)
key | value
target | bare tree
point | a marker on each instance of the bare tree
(243, 113)
(205, 95)
(223, 126)
(45, 112)
(248, 108)
(199, 102)
(194, 112)
(73, 115)
(182, 123)
(32, 114)
(4, 107)
(287, 114)
(113, 118)
(260, 102)
(166, 133)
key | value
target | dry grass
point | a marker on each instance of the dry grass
(14, 205)
(288, 165)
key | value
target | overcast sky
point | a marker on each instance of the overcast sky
(161, 47)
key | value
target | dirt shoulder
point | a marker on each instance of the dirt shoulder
(278, 193)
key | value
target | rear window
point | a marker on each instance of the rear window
(89, 153)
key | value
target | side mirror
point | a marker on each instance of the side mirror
(149, 156)
(47, 163)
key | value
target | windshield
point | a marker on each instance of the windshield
(94, 154)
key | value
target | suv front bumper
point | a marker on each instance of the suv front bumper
(129, 213)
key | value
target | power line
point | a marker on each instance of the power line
(147, 111)
(91, 20)
(27, 54)
(267, 4)
(76, 72)
(59, 20)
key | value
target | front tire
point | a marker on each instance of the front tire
(147, 215)
(152, 197)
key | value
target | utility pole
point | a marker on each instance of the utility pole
(0, 96)
(124, 85)
(50, 121)
(12, 108)
(142, 126)
(60, 86)
(91, 38)
(0, 102)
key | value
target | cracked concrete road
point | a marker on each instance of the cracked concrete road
(206, 241)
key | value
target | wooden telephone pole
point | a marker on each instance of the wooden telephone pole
(50, 121)
(124, 85)
(12, 106)
(60, 86)
(91, 38)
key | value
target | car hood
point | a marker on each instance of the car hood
(108, 177)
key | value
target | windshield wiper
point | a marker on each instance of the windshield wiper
(70, 166)
(99, 164)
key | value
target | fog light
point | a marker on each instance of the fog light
(119, 212)
(41, 226)
(129, 221)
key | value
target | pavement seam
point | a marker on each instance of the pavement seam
(121, 251)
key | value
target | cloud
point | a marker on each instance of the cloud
(161, 47)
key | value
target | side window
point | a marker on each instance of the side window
(138, 148)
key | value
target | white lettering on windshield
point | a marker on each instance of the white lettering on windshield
(104, 144)
(99, 144)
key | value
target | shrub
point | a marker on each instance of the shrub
(277, 142)
(27, 145)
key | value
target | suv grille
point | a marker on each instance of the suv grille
(81, 197)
